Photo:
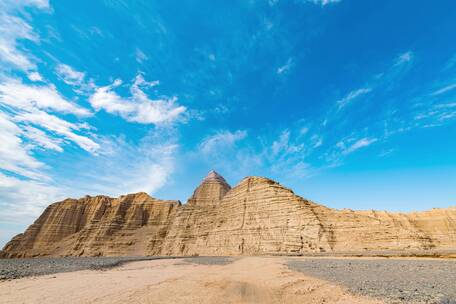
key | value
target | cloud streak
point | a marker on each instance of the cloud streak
(14, 29)
(69, 75)
(14, 93)
(351, 96)
(14, 155)
(323, 2)
(221, 141)
(445, 89)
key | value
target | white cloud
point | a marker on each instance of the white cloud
(351, 96)
(33, 196)
(138, 107)
(35, 76)
(14, 155)
(287, 155)
(304, 130)
(41, 4)
(324, 2)
(445, 89)
(282, 157)
(358, 144)
(19, 138)
(41, 139)
(29, 121)
(140, 56)
(69, 75)
(59, 126)
(24, 118)
(13, 29)
(404, 58)
(283, 145)
(221, 140)
(286, 67)
(14, 93)
(125, 167)
(436, 115)
(316, 141)
(445, 105)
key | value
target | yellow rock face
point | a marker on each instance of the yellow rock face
(133, 224)
(257, 217)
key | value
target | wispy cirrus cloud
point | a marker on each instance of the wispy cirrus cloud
(444, 89)
(316, 2)
(126, 167)
(14, 29)
(283, 156)
(140, 56)
(323, 2)
(30, 121)
(436, 115)
(37, 117)
(351, 145)
(14, 93)
(15, 156)
(221, 141)
(345, 101)
(69, 75)
(286, 67)
(34, 196)
(404, 58)
(77, 80)
(61, 127)
(42, 140)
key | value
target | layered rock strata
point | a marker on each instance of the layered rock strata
(133, 224)
(256, 217)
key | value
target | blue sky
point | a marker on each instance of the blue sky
(350, 103)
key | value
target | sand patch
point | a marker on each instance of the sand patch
(245, 280)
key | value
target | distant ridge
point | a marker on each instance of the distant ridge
(256, 217)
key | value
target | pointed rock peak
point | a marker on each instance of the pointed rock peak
(211, 190)
(214, 176)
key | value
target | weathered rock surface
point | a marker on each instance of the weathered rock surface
(258, 216)
(210, 192)
(133, 224)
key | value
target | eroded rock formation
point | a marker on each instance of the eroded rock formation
(258, 216)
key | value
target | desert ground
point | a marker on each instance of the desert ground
(228, 280)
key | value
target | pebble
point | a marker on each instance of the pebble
(18, 268)
(391, 280)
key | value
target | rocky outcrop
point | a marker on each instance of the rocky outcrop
(257, 217)
(133, 224)
(210, 192)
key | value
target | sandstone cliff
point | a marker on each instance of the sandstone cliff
(258, 216)
(133, 224)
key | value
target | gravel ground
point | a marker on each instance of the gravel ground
(210, 260)
(18, 268)
(392, 280)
